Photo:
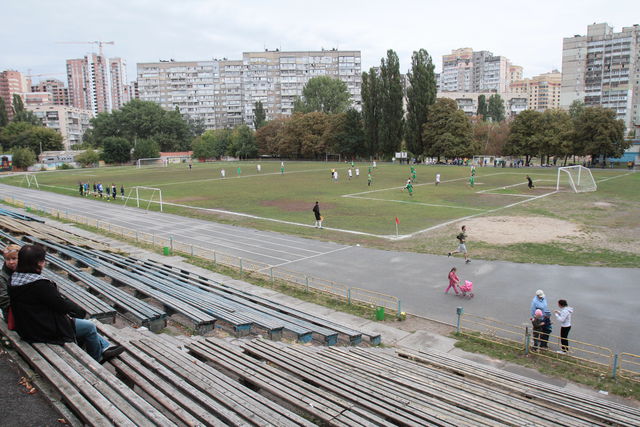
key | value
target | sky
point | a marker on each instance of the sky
(529, 33)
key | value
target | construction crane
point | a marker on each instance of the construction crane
(99, 43)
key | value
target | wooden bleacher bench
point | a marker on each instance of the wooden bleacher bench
(94, 395)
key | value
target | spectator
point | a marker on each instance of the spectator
(43, 315)
(537, 323)
(564, 317)
(539, 302)
(10, 254)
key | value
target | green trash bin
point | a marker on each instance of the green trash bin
(165, 250)
(380, 313)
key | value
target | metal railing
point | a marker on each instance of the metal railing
(580, 354)
(244, 265)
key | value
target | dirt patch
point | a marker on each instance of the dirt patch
(603, 205)
(294, 205)
(517, 229)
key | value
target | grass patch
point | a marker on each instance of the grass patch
(577, 371)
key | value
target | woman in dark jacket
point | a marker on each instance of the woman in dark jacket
(42, 314)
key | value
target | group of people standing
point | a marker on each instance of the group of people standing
(32, 306)
(99, 190)
(542, 325)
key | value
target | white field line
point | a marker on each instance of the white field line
(235, 177)
(417, 203)
(308, 257)
(614, 177)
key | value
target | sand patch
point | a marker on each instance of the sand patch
(516, 229)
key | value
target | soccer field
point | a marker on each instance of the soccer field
(348, 205)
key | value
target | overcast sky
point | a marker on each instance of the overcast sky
(529, 33)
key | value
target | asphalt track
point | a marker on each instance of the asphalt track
(605, 299)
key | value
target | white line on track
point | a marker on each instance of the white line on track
(312, 256)
(417, 203)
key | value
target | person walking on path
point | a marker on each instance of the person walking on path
(316, 212)
(530, 182)
(43, 315)
(453, 281)
(539, 302)
(462, 246)
(564, 317)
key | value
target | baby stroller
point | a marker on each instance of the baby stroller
(467, 289)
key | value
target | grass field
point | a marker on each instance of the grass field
(354, 212)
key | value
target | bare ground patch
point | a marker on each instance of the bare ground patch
(294, 205)
(189, 199)
(522, 229)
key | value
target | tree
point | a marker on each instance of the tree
(196, 125)
(146, 149)
(345, 135)
(212, 144)
(601, 132)
(116, 150)
(556, 134)
(323, 94)
(304, 136)
(490, 137)
(392, 112)
(26, 135)
(243, 143)
(371, 110)
(482, 107)
(525, 136)
(421, 93)
(259, 115)
(88, 158)
(576, 108)
(495, 108)
(22, 115)
(23, 158)
(269, 136)
(448, 131)
(4, 118)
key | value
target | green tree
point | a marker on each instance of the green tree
(196, 125)
(26, 135)
(9, 135)
(259, 115)
(269, 137)
(495, 108)
(601, 133)
(88, 158)
(576, 108)
(482, 107)
(304, 136)
(491, 138)
(448, 131)
(4, 118)
(323, 94)
(22, 115)
(392, 112)
(421, 93)
(146, 149)
(345, 134)
(525, 137)
(556, 134)
(243, 143)
(116, 150)
(371, 110)
(23, 158)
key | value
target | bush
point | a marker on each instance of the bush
(23, 158)
(65, 166)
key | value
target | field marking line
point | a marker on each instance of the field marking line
(308, 257)
(614, 177)
(236, 177)
(416, 203)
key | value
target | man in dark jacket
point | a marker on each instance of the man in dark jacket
(42, 314)
(316, 212)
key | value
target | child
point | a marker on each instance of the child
(453, 281)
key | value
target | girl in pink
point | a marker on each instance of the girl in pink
(453, 281)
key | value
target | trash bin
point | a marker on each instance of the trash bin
(380, 313)
(165, 250)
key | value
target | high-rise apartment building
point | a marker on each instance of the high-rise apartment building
(98, 84)
(603, 69)
(542, 92)
(223, 92)
(70, 122)
(467, 71)
(12, 82)
(57, 89)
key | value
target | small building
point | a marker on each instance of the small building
(55, 159)
(6, 162)
(176, 157)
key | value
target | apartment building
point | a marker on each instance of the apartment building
(542, 92)
(464, 70)
(12, 82)
(57, 88)
(70, 122)
(514, 103)
(603, 69)
(223, 92)
(120, 90)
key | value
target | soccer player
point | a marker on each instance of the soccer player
(369, 180)
(530, 182)
(409, 187)
(375, 165)
(357, 172)
(122, 190)
(239, 171)
(462, 247)
(316, 212)
(258, 167)
(413, 174)
(281, 168)
(472, 180)
(350, 172)
(437, 179)
(222, 172)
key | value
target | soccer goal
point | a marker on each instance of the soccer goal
(151, 162)
(144, 194)
(577, 178)
(30, 180)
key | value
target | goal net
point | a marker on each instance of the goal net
(30, 180)
(151, 162)
(144, 196)
(576, 178)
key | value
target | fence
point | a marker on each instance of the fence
(245, 266)
(521, 338)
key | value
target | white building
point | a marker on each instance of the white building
(514, 103)
(70, 122)
(464, 70)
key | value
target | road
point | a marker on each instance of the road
(604, 299)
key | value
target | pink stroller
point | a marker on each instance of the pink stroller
(467, 289)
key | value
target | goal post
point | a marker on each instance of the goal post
(151, 161)
(29, 180)
(578, 178)
(146, 195)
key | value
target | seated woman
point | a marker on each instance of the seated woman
(10, 255)
(41, 314)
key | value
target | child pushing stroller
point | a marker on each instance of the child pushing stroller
(466, 289)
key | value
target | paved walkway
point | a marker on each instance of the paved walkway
(605, 299)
